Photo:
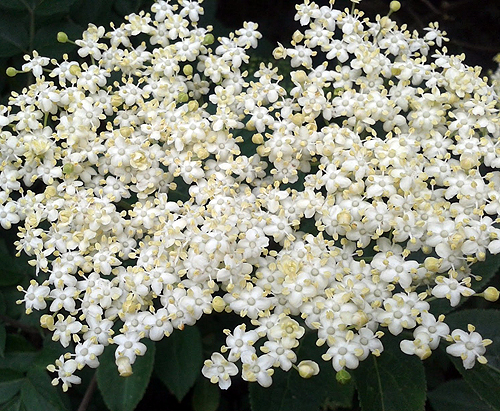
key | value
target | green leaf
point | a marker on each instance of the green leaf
(20, 361)
(14, 39)
(37, 392)
(10, 383)
(19, 354)
(392, 382)
(124, 393)
(179, 360)
(456, 395)
(95, 11)
(18, 5)
(484, 379)
(12, 269)
(15, 404)
(206, 396)
(3, 338)
(290, 392)
(46, 39)
(51, 7)
(3, 305)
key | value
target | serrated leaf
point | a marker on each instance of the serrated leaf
(124, 393)
(37, 392)
(179, 360)
(392, 382)
(10, 384)
(290, 392)
(456, 395)
(484, 379)
(51, 7)
(206, 396)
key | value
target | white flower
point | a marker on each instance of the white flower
(219, 370)
(258, 369)
(451, 289)
(468, 346)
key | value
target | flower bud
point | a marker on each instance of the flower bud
(47, 321)
(75, 70)
(218, 304)
(432, 264)
(491, 294)
(124, 367)
(187, 70)
(257, 138)
(11, 71)
(308, 369)
(182, 98)
(62, 37)
(394, 6)
(193, 105)
(68, 168)
(208, 39)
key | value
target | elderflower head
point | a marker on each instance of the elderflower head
(159, 181)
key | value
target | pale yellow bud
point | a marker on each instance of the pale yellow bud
(187, 69)
(193, 105)
(75, 70)
(257, 138)
(124, 367)
(116, 100)
(218, 304)
(491, 294)
(394, 6)
(432, 264)
(308, 369)
(297, 37)
(47, 321)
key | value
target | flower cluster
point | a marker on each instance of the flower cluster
(163, 179)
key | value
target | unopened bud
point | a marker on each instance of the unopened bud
(193, 105)
(308, 369)
(182, 98)
(187, 69)
(75, 70)
(394, 6)
(491, 294)
(218, 304)
(62, 37)
(124, 367)
(432, 264)
(257, 138)
(208, 39)
(68, 168)
(297, 36)
(11, 71)
(47, 321)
